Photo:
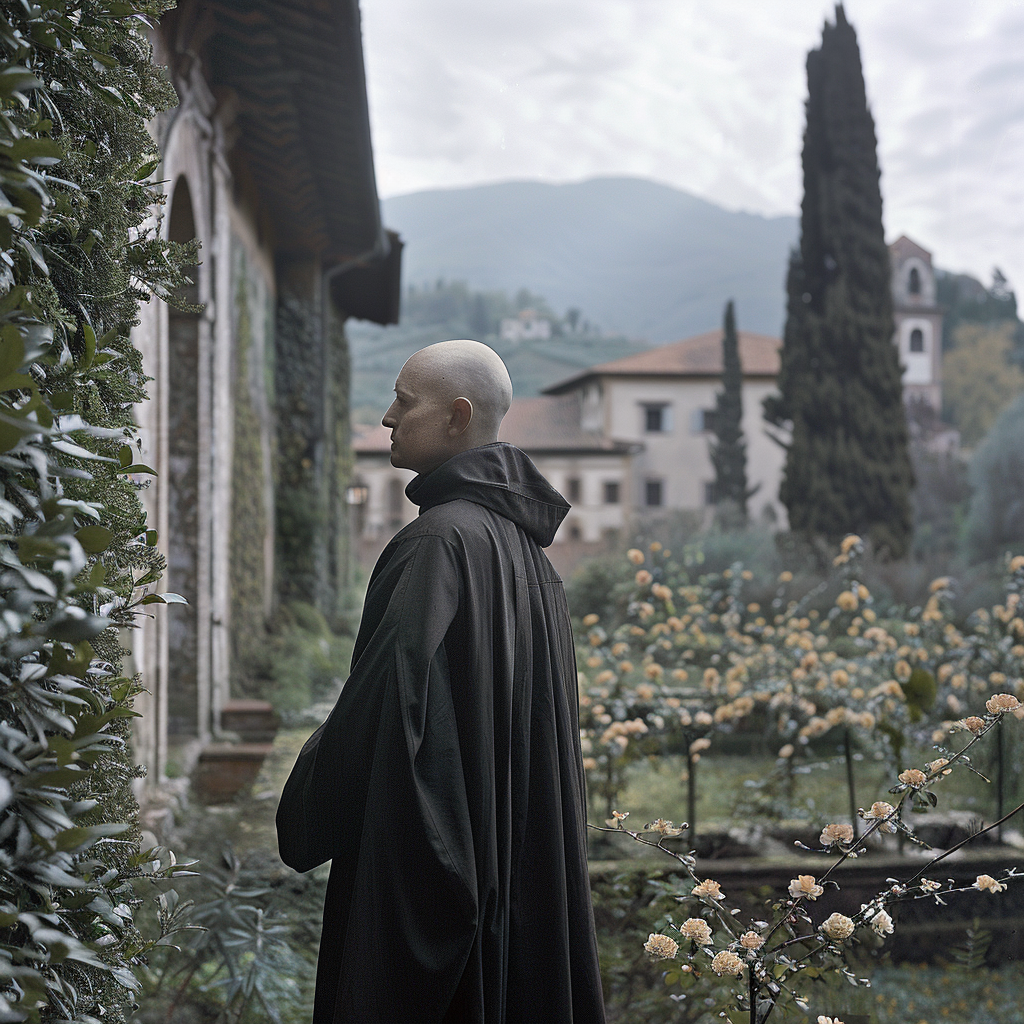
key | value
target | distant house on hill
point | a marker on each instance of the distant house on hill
(528, 325)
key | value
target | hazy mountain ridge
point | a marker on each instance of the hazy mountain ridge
(640, 259)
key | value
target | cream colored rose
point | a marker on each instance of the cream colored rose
(837, 927)
(832, 834)
(726, 962)
(1002, 702)
(709, 889)
(913, 777)
(987, 882)
(662, 947)
(697, 929)
(805, 885)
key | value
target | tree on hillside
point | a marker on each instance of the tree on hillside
(728, 446)
(979, 380)
(995, 523)
(840, 392)
(967, 301)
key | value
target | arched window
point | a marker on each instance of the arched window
(917, 340)
(914, 283)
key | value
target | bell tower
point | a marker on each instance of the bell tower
(918, 322)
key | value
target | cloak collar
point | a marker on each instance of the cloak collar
(500, 477)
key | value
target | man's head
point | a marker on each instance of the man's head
(449, 397)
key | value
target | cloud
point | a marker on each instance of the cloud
(708, 98)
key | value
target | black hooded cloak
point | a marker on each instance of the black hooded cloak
(447, 783)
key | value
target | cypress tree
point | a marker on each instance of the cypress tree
(847, 464)
(728, 446)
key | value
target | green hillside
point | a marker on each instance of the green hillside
(641, 259)
(447, 311)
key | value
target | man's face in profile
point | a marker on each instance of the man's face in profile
(418, 419)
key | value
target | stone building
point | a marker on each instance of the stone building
(627, 441)
(623, 441)
(594, 472)
(662, 402)
(918, 322)
(267, 161)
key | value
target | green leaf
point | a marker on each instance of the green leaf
(82, 836)
(125, 455)
(920, 691)
(17, 79)
(12, 351)
(90, 346)
(138, 468)
(143, 172)
(152, 537)
(94, 539)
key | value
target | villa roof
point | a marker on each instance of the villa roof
(552, 424)
(545, 424)
(699, 356)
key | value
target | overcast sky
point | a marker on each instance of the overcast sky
(707, 95)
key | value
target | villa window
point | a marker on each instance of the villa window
(914, 281)
(654, 493)
(611, 492)
(657, 418)
(702, 421)
(917, 340)
(574, 488)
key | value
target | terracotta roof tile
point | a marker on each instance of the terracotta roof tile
(371, 440)
(552, 424)
(700, 356)
(533, 424)
(904, 247)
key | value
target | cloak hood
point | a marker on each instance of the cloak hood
(500, 477)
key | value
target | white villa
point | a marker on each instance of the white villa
(627, 440)
(528, 325)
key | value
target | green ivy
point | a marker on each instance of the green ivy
(77, 86)
(248, 511)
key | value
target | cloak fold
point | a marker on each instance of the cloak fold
(447, 784)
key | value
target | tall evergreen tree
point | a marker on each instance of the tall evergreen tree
(847, 465)
(728, 446)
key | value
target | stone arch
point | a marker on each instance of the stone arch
(182, 491)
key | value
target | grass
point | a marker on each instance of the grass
(657, 788)
(899, 994)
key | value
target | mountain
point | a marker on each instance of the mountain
(638, 258)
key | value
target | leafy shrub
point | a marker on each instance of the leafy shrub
(76, 88)
(302, 661)
(995, 522)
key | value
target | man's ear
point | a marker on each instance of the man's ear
(460, 416)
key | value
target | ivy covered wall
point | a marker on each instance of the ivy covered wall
(252, 483)
(311, 374)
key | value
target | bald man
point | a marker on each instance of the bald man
(446, 786)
